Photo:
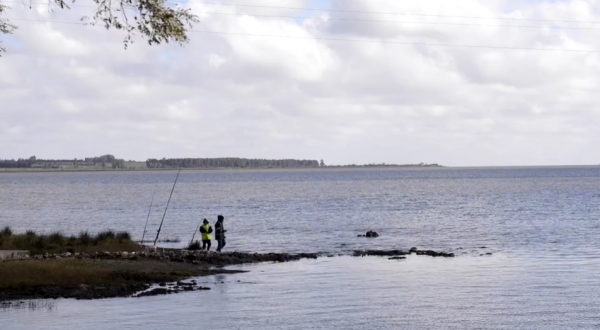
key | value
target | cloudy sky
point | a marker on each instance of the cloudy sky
(357, 81)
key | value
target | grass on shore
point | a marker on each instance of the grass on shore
(71, 273)
(56, 242)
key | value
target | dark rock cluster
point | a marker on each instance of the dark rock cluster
(400, 253)
(397, 258)
(370, 234)
(431, 253)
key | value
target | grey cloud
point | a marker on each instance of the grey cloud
(346, 102)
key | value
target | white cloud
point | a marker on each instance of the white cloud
(70, 90)
(216, 61)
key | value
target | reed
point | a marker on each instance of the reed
(56, 242)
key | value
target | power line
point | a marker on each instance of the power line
(410, 22)
(405, 22)
(357, 40)
(380, 13)
(352, 11)
(404, 43)
(45, 21)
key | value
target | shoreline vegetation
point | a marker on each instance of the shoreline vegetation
(110, 264)
(106, 265)
(111, 163)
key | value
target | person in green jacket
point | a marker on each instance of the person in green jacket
(206, 231)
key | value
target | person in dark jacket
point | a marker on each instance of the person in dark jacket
(220, 233)
(206, 231)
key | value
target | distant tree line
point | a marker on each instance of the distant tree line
(108, 161)
(19, 163)
(229, 163)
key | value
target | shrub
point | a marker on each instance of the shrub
(72, 240)
(124, 236)
(105, 235)
(194, 246)
(85, 238)
(56, 238)
(6, 232)
(40, 243)
(30, 233)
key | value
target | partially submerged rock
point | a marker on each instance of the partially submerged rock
(370, 234)
(188, 287)
(154, 292)
(397, 258)
(394, 253)
(379, 253)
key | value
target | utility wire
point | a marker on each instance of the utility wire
(352, 11)
(379, 12)
(404, 43)
(360, 40)
(399, 22)
(409, 22)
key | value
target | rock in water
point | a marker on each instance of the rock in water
(396, 258)
(154, 292)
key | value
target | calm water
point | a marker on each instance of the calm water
(542, 225)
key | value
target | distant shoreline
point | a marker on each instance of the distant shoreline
(35, 170)
(406, 167)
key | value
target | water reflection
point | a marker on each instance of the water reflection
(31, 305)
(470, 292)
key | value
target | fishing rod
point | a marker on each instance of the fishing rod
(198, 228)
(148, 218)
(167, 207)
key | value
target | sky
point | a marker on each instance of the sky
(359, 81)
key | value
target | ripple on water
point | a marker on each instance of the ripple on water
(499, 292)
(540, 224)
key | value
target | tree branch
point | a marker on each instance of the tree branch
(153, 20)
(5, 27)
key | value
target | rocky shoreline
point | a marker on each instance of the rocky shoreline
(170, 271)
(200, 258)
(398, 254)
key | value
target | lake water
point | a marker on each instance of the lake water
(542, 225)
